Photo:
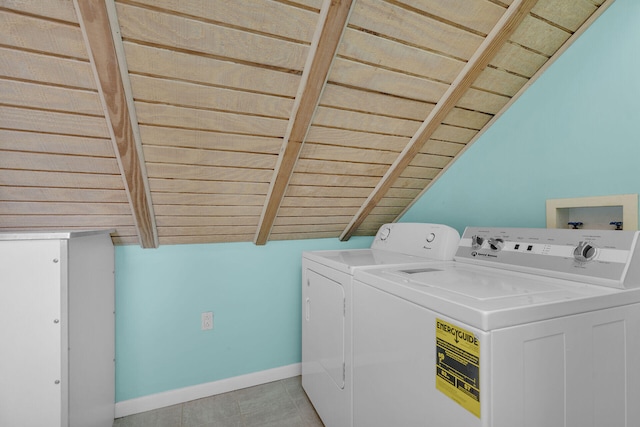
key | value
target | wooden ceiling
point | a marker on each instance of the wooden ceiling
(196, 121)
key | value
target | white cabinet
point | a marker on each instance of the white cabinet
(57, 329)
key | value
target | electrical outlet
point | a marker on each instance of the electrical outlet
(207, 320)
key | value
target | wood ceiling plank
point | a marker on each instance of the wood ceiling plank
(407, 193)
(347, 138)
(310, 202)
(193, 240)
(570, 14)
(31, 95)
(173, 137)
(467, 118)
(331, 24)
(339, 181)
(291, 229)
(54, 38)
(196, 119)
(32, 178)
(312, 220)
(416, 175)
(207, 187)
(359, 75)
(287, 211)
(37, 67)
(192, 156)
(346, 154)
(57, 162)
(454, 134)
(353, 170)
(202, 221)
(213, 211)
(66, 221)
(430, 161)
(207, 173)
(64, 208)
(264, 16)
(96, 28)
(316, 191)
(52, 122)
(55, 144)
(206, 70)
(515, 14)
(210, 230)
(478, 15)
(61, 10)
(369, 48)
(184, 94)
(540, 36)
(47, 194)
(353, 120)
(442, 148)
(519, 60)
(194, 199)
(347, 98)
(307, 235)
(416, 29)
(499, 81)
(175, 31)
(484, 102)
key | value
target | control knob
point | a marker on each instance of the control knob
(477, 242)
(384, 233)
(585, 252)
(496, 244)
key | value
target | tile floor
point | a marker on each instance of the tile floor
(278, 404)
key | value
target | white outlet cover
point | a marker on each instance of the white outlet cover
(207, 320)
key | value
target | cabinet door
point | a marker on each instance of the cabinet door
(31, 321)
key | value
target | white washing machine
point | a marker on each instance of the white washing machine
(326, 307)
(526, 328)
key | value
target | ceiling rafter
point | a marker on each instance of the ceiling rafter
(105, 61)
(498, 36)
(333, 20)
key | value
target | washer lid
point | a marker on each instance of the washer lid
(489, 298)
(350, 260)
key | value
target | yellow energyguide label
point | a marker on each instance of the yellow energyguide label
(458, 365)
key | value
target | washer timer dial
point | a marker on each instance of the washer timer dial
(384, 233)
(585, 252)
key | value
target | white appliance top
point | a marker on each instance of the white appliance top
(493, 284)
(395, 244)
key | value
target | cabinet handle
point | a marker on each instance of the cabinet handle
(306, 315)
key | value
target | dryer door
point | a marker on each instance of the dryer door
(324, 321)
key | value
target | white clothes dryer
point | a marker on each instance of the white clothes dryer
(326, 307)
(526, 328)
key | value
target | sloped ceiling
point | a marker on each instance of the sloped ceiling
(195, 121)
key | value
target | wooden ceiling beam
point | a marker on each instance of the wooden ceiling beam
(333, 20)
(96, 28)
(498, 36)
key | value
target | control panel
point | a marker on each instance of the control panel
(434, 241)
(604, 257)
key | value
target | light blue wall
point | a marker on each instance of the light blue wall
(253, 291)
(574, 133)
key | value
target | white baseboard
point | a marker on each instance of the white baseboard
(181, 395)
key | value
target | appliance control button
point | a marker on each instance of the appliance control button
(477, 242)
(496, 244)
(585, 252)
(431, 237)
(384, 233)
